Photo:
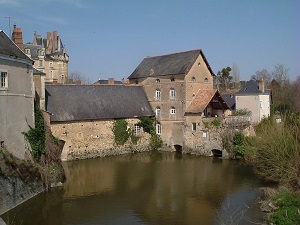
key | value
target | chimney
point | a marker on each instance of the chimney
(17, 37)
(54, 41)
(261, 85)
(111, 81)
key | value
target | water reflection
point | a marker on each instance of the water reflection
(152, 188)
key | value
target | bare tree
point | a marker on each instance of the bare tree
(235, 76)
(77, 77)
(280, 74)
(262, 74)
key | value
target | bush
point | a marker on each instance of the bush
(216, 122)
(120, 131)
(155, 142)
(275, 152)
(242, 112)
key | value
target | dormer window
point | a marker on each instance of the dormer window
(27, 51)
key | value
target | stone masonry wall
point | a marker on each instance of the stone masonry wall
(90, 139)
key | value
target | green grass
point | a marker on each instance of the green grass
(288, 212)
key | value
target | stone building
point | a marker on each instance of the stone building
(49, 55)
(16, 97)
(83, 117)
(172, 83)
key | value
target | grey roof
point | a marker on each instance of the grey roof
(10, 49)
(38, 72)
(251, 87)
(230, 100)
(33, 50)
(106, 82)
(92, 102)
(171, 64)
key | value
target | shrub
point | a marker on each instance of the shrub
(216, 122)
(155, 142)
(147, 123)
(275, 152)
(120, 131)
(242, 112)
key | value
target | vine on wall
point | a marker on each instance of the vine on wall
(37, 136)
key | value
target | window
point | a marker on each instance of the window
(261, 104)
(172, 110)
(204, 135)
(27, 51)
(51, 74)
(206, 80)
(157, 113)
(158, 128)
(157, 94)
(193, 79)
(137, 130)
(157, 80)
(136, 81)
(172, 94)
(4, 80)
(41, 63)
(172, 79)
(50, 64)
(194, 126)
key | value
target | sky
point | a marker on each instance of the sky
(110, 38)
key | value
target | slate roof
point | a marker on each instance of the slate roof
(33, 50)
(251, 87)
(106, 82)
(10, 49)
(38, 72)
(171, 64)
(230, 100)
(92, 102)
(203, 98)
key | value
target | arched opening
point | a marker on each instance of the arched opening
(178, 148)
(217, 152)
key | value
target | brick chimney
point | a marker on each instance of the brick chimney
(17, 37)
(261, 85)
(111, 81)
(54, 41)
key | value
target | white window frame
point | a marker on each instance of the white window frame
(157, 94)
(137, 130)
(158, 128)
(172, 94)
(172, 110)
(158, 113)
(3, 79)
(27, 51)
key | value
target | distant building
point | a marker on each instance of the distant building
(83, 117)
(109, 81)
(16, 97)
(49, 55)
(255, 98)
(180, 90)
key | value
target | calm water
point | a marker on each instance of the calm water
(148, 188)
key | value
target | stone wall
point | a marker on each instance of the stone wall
(14, 191)
(90, 139)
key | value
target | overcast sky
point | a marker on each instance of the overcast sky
(110, 38)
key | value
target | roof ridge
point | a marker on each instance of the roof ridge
(199, 49)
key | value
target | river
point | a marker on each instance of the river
(146, 188)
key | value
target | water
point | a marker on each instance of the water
(148, 188)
